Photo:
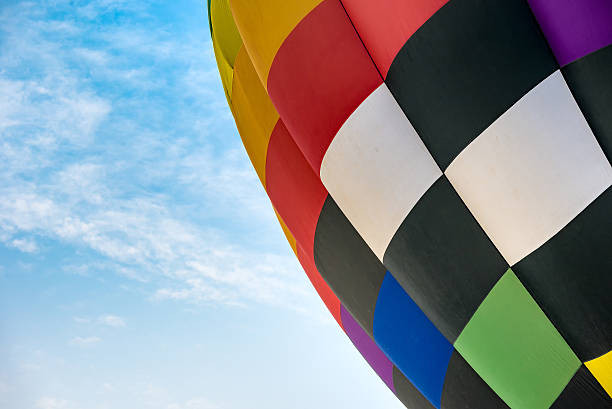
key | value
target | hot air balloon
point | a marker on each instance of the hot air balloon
(441, 170)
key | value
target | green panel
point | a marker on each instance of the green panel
(516, 349)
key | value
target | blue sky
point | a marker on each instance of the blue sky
(141, 265)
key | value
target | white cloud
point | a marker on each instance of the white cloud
(196, 403)
(151, 184)
(51, 403)
(68, 112)
(111, 321)
(108, 387)
(84, 341)
(25, 245)
(106, 320)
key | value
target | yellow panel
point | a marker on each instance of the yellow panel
(254, 113)
(601, 368)
(225, 70)
(288, 234)
(264, 25)
(224, 30)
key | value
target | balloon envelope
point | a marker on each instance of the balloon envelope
(441, 169)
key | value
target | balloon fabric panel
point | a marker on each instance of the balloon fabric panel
(515, 349)
(225, 71)
(411, 340)
(226, 42)
(368, 348)
(224, 29)
(295, 191)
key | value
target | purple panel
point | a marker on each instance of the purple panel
(366, 346)
(574, 28)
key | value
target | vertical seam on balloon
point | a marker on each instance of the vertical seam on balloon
(246, 49)
(535, 18)
(234, 80)
(383, 83)
(582, 111)
(361, 40)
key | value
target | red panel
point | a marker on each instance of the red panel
(385, 25)
(319, 76)
(327, 295)
(294, 189)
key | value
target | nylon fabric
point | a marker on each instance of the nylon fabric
(225, 31)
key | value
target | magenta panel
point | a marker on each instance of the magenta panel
(574, 28)
(366, 346)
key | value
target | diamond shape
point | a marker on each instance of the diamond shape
(513, 346)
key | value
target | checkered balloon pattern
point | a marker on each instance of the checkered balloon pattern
(441, 169)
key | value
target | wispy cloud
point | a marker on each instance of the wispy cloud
(25, 245)
(196, 403)
(123, 148)
(112, 321)
(84, 341)
(106, 320)
(51, 403)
